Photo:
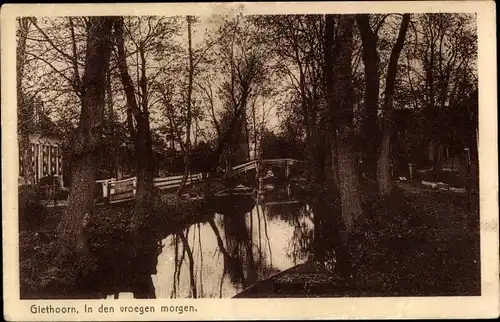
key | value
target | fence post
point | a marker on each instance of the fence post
(104, 189)
(111, 191)
(106, 198)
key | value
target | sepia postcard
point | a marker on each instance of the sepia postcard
(274, 160)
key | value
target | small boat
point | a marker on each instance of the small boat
(282, 203)
(309, 279)
(239, 190)
(268, 182)
(266, 187)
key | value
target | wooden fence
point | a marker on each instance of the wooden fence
(113, 191)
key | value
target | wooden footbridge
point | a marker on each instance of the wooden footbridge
(259, 165)
(114, 191)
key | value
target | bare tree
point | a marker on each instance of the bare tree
(299, 61)
(54, 65)
(25, 117)
(141, 132)
(86, 141)
(384, 176)
(446, 46)
(339, 87)
(371, 60)
(242, 61)
(189, 102)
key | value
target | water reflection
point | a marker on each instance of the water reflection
(238, 247)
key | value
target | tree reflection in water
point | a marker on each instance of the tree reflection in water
(239, 245)
(244, 243)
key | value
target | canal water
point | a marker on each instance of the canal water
(238, 247)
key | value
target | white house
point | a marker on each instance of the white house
(46, 157)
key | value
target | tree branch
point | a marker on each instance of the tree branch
(70, 81)
(46, 37)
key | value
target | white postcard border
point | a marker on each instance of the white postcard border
(486, 305)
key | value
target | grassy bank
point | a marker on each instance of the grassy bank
(108, 239)
(419, 242)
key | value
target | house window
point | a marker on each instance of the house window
(45, 158)
(53, 156)
(33, 157)
(36, 161)
(59, 161)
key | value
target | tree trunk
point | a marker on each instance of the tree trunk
(472, 179)
(317, 147)
(86, 144)
(24, 118)
(384, 177)
(331, 136)
(331, 162)
(348, 178)
(141, 135)
(473, 176)
(145, 167)
(143, 244)
(219, 150)
(115, 147)
(307, 120)
(372, 78)
(187, 159)
(255, 132)
(437, 157)
(340, 94)
(331, 159)
(247, 140)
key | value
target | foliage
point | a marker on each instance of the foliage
(424, 233)
(439, 71)
(201, 155)
(283, 145)
(31, 210)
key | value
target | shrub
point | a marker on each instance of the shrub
(31, 210)
(62, 194)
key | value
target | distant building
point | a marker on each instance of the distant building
(170, 142)
(46, 148)
(46, 157)
(447, 147)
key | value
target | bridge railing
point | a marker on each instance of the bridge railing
(252, 164)
(175, 181)
(244, 165)
(112, 190)
(121, 190)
